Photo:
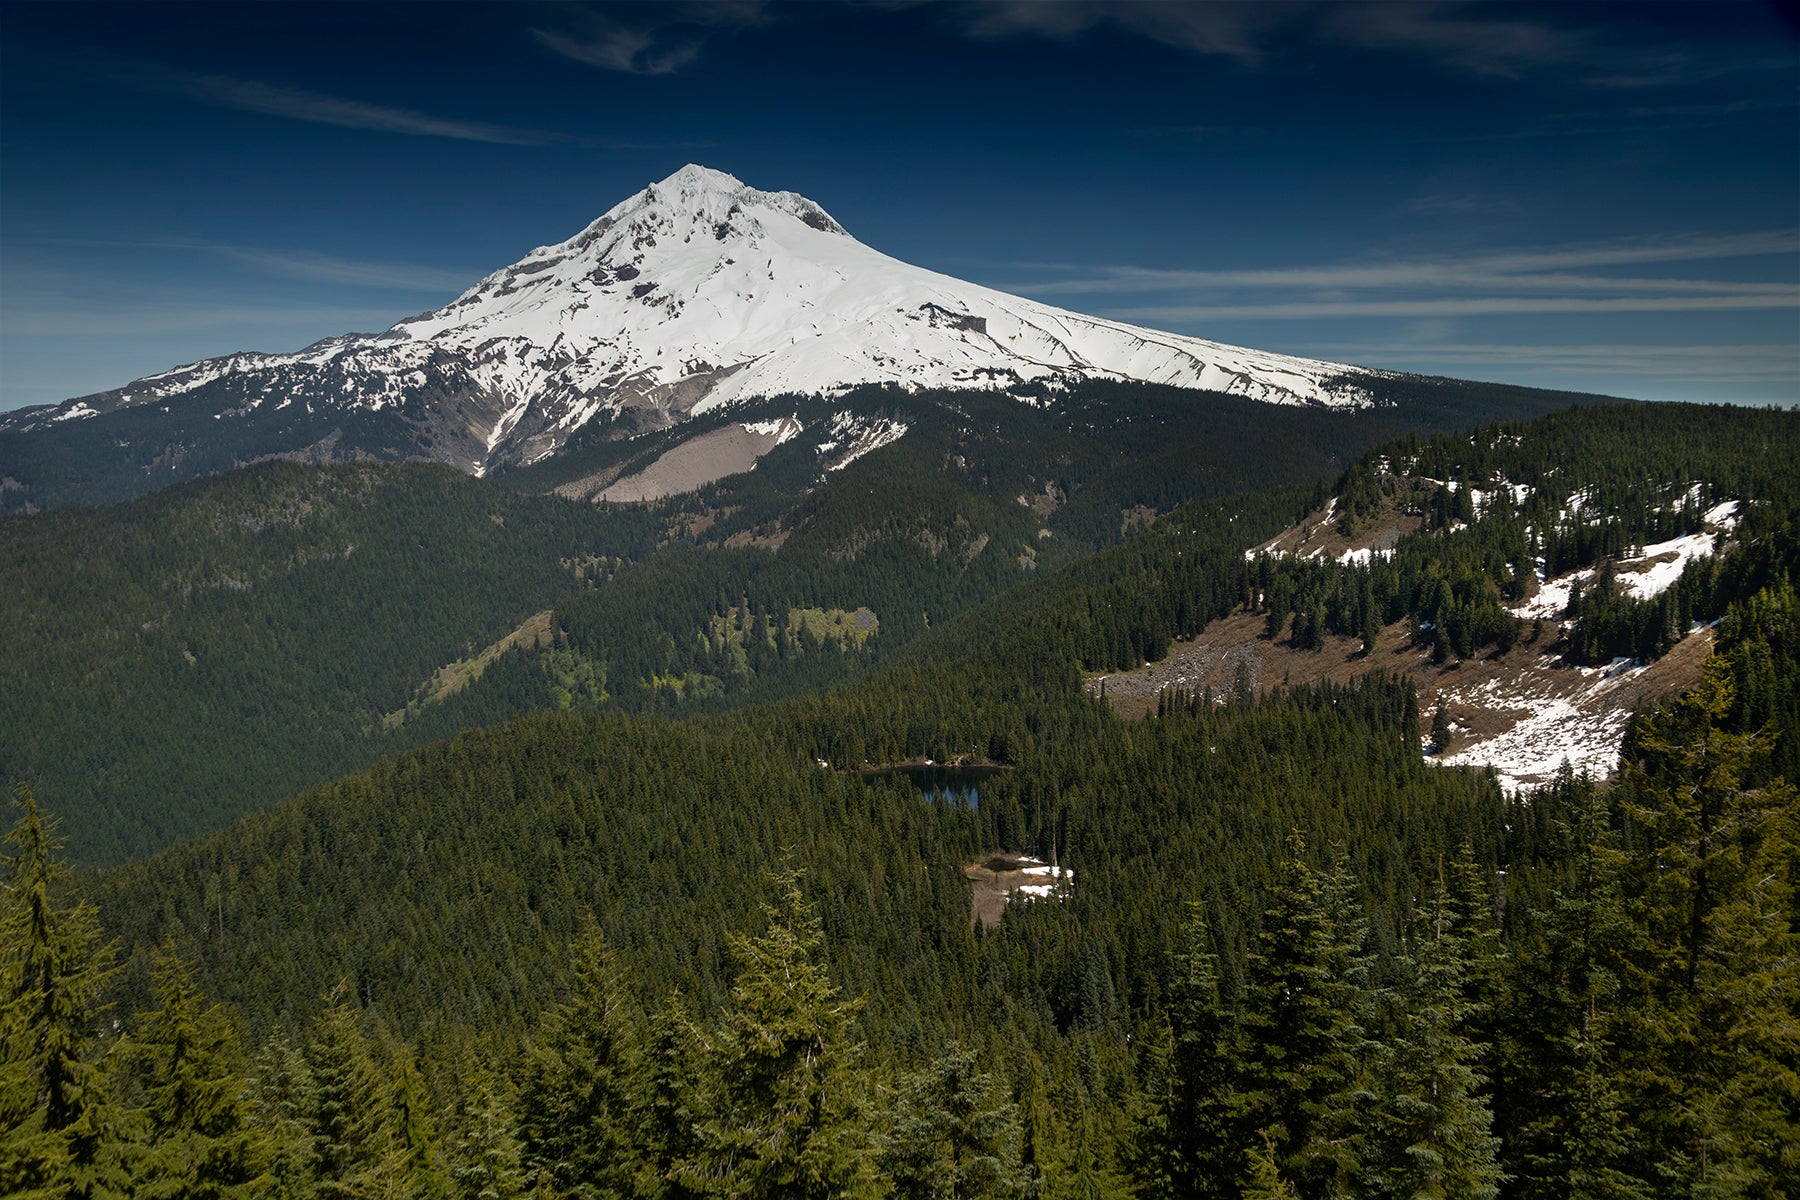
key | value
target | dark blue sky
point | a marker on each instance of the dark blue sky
(1600, 197)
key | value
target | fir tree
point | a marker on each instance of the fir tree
(1569, 1138)
(1194, 1135)
(203, 1143)
(954, 1135)
(1435, 1135)
(350, 1112)
(1265, 1181)
(663, 1101)
(486, 1164)
(575, 1101)
(282, 1092)
(1301, 1037)
(63, 1131)
(1715, 961)
(787, 1106)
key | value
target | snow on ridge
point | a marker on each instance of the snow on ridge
(1643, 576)
(857, 435)
(700, 291)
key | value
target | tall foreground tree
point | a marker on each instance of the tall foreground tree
(1713, 970)
(575, 1101)
(1301, 1073)
(1192, 1140)
(202, 1142)
(1568, 1139)
(350, 1113)
(787, 1105)
(60, 1134)
(954, 1135)
(1434, 1128)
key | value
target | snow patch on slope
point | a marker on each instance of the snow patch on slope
(701, 291)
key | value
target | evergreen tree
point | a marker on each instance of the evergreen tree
(1568, 1138)
(351, 1114)
(1194, 1135)
(575, 1101)
(63, 1133)
(787, 1107)
(1434, 1128)
(663, 1101)
(421, 1173)
(203, 1143)
(954, 1135)
(1265, 1181)
(282, 1092)
(1300, 1070)
(1715, 963)
(486, 1164)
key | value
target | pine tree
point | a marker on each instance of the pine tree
(787, 1110)
(574, 1107)
(1194, 1149)
(1265, 1181)
(1715, 961)
(202, 1139)
(1434, 1128)
(486, 1164)
(1569, 1139)
(63, 1133)
(663, 1101)
(953, 1134)
(282, 1091)
(350, 1114)
(420, 1170)
(1300, 1071)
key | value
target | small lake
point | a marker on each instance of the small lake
(938, 781)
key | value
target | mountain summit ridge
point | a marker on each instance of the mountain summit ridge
(696, 291)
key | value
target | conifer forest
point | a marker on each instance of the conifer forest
(377, 831)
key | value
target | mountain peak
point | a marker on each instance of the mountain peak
(696, 291)
(694, 178)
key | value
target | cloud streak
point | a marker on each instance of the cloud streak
(299, 104)
(647, 47)
(1768, 361)
(304, 266)
(1482, 306)
(1570, 279)
(1480, 39)
(295, 104)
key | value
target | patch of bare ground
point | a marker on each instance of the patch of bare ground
(729, 450)
(995, 878)
(452, 678)
(1521, 712)
(1316, 535)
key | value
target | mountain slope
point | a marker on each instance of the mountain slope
(697, 291)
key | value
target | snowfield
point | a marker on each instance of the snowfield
(700, 291)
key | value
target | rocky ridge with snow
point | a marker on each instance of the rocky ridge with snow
(696, 292)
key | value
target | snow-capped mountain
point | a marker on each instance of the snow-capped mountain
(697, 291)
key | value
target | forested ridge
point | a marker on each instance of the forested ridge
(606, 953)
(199, 653)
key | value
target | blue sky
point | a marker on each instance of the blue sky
(1599, 197)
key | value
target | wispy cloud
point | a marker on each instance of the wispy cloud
(196, 315)
(1484, 39)
(1594, 278)
(276, 101)
(654, 39)
(1480, 306)
(1761, 361)
(324, 268)
(299, 104)
(305, 266)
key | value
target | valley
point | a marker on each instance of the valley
(1026, 740)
